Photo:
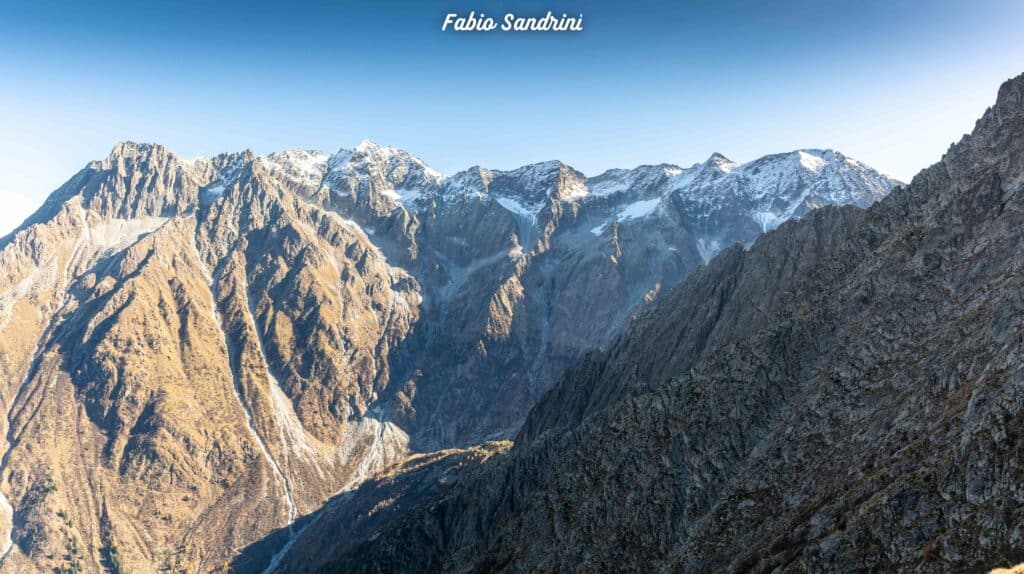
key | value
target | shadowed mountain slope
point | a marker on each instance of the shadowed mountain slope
(844, 396)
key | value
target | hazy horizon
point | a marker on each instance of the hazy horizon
(890, 84)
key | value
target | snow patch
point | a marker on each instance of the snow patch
(639, 209)
(303, 167)
(708, 249)
(403, 195)
(810, 162)
(768, 220)
(7, 525)
(226, 177)
(575, 190)
(523, 210)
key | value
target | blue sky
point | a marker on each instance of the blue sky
(891, 83)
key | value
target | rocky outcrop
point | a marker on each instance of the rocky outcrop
(841, 397)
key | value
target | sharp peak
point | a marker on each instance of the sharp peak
(1011, 93)
(124, 148)
(368, 145)
(545, 166)
(720, 163)
(371, 148)
(364, 147)
(473, 169)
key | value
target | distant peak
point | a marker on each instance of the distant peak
(369, 157)
(368, 145)
(475, 171)
(374, 151)
(720, 162)
(541, 166)
(127, 148)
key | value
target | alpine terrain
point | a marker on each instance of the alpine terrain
(197, 355)
(844, 396)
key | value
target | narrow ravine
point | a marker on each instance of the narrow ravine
(274, 383)
(236, 388)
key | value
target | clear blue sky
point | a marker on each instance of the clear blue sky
(891, 83)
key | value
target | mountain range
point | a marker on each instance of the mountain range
(843, 396)
(203, 363)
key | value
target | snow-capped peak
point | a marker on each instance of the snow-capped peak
(470, 182)
(524, 191)
(375, 152)
(384, 170)
(368, 146)
(641, 178)
(531, 183)
(303, 167)
(720, 162)
(777, 187)
(810, 161)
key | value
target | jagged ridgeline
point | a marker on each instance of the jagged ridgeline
(844, 396)
(196, 354)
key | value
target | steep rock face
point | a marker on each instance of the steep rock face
(563, 260)
(207, 355)
(842, 397)
(197, 354)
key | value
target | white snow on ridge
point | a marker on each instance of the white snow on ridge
(781, 183)
(226, 177)
(616, 181)
(472, 182)
(304, 167)
(368, 152)
(394, 173)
